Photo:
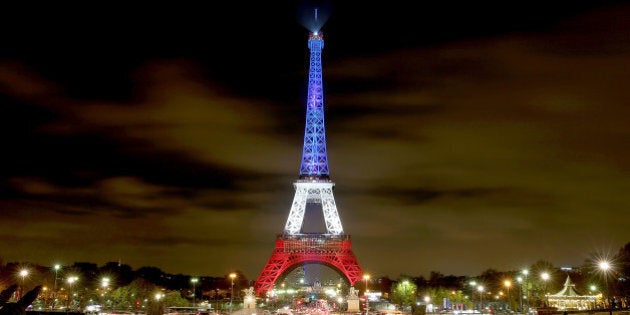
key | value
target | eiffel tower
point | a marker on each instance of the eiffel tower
(293, 246)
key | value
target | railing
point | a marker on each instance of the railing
(312, 242)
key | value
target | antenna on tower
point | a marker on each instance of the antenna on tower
(315, 14)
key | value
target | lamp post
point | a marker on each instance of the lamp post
(104, 285)
(508, 284)
(405, 286)
(545, 277)
(604, 267)
(525, 273)
(520, 291)
(194, 293)
(480, 289)
(56, 268)
(71, 280)
(592, 288)
(232, 276)
(23, 273)
(366, 277)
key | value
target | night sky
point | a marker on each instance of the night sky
(461, 137)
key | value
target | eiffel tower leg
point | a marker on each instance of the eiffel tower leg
(298, 208)
(350, 264)
(274, 268)
(333, 223)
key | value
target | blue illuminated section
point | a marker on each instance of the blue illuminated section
(314, 155)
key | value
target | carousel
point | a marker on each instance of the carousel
(569, 299)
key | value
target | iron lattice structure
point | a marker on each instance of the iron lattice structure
(314, 155)
(314, 186)
(291, 250)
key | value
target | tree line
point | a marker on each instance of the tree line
(127, 288)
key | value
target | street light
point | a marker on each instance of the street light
(105, 282)
(508, 284)
(23, 273)
(194, 293)
(71, 280)
(545, 277)
(56, 268)
(473, 285)
(232, 276)
(480, 289)
(366, 277)
(105, 286)
(525, 273)
(520, 291)
(604, 267)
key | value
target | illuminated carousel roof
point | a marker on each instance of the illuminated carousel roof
(569, 292)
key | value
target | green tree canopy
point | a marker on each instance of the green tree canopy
(404, 293)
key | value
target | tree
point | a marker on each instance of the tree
(404, 293)
(539, 287)
(623, 271)
(133, 295)
(157, 306)
(152, 274)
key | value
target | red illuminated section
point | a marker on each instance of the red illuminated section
(334, 251)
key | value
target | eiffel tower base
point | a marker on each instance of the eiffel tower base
(334, 251)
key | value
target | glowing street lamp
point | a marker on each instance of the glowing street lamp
(366, 277)
(23, 274)
(71, 280)
(56, 268)
(473, 285)
(605, 267)
(480, 289)
(545, 277)
(508, 284)
(105, 282)
(232, 276)
(194, 293)
(525, 273)
(520, 291)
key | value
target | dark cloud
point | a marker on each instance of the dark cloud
(459, 141)
(417, 196)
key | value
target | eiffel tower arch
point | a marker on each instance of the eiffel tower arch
(293, 247)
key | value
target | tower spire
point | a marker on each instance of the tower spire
(314, 154)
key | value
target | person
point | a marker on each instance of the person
(19, 307)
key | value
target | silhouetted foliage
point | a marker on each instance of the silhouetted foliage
(19, 307)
